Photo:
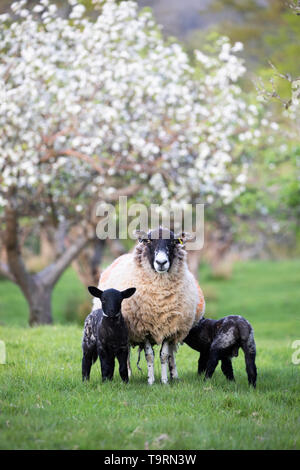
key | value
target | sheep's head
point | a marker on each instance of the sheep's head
(161, 246)
(111, 299)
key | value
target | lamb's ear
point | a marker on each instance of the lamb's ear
(95, 291)
(128, 292)
(183, 237)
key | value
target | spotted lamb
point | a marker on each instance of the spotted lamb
(220, 340)
(106, 335)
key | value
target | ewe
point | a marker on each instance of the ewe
(167, 302)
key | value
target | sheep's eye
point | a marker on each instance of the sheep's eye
(146, 241)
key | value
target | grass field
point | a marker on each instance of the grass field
(44, 404)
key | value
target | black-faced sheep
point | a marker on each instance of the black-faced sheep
(106, 335)
(168, 300)
(220, 340)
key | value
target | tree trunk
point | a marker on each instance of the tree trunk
(87, 264)
(47, 252)
(37, 288)
(40, 306)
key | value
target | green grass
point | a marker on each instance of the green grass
(13, 307)
(44, 404)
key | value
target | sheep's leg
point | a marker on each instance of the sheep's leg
(251, 369)
(128, 363)
(88, 358)
(202, 362)
(164, 355)
(212, 362)
(139, 357)
(250, 366)
(172, 362)
(123, 362)
(149, 355)
(107, 365)
(226, 366)
(249, 349)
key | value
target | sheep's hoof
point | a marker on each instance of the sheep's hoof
(175, 378)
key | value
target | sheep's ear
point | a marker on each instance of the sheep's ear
(183, 237)
(95, 291)
(140, 235)
(128, 292)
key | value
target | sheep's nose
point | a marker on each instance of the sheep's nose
(161, 263)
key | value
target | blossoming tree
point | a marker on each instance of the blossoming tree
(94, 109)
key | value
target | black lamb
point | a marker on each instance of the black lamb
(220, 340)
(106, 335)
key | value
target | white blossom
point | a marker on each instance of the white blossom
(105, 101)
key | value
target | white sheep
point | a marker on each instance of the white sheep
(168, 300)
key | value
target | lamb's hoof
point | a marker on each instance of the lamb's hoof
(165, 382)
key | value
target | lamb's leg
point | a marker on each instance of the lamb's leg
(250, 366)
(87, 360)
(249, 349)
(123, 361)
(226, 366)
(202, 362)
(107, 362)
(149, 355)
(172, 362)
(164, 354)
(212, 362)
(89, 347)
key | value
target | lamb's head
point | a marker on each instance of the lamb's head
(160, 247)
(111, 299)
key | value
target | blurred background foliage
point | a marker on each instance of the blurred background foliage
(264, 221)
(270, 32)
(267, 28)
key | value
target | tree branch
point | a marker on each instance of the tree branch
(130, 190)
(16, 266)
(51, 274)
(72, 153)
(5, 272)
